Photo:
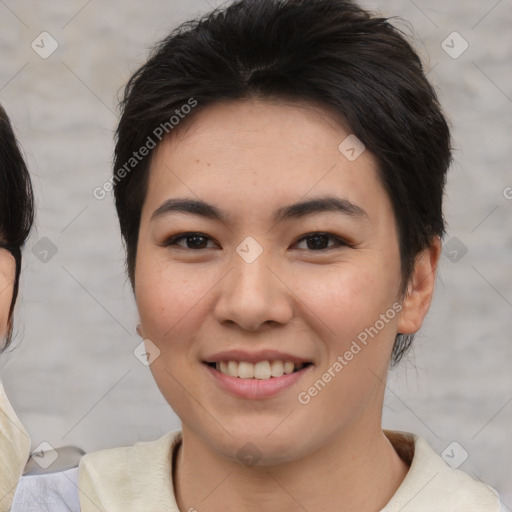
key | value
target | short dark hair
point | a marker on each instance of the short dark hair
(16, 204)
(331, 53)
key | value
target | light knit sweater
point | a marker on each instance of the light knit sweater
(139, 479)
(14, 451)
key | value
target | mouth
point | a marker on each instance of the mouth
(258, 380)
(261, 370)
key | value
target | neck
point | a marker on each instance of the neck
(354, 471)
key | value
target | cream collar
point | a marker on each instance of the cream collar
(139, 478)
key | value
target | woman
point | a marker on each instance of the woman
(16, 215)
(279, 173)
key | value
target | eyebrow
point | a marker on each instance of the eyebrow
(293, 211)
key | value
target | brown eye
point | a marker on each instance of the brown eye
(192, 241)
(320, 241)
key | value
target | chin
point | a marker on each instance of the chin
(259, 445)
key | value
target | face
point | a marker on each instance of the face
(7, 273)
(251, 278)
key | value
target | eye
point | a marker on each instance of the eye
(189, 241)
(314, 241)
(319, 241)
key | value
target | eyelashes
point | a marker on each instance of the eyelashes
(321, 237)
(196, 239)
(315, 241)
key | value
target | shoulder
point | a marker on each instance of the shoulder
(14, 450)
(431, 484)
(130, 477)
(119, 462)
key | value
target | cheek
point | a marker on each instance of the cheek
(167, 302)
(4, 308)
(6, 290)
(352, 310)
(169, 298)
(347, 298)
(162, 299)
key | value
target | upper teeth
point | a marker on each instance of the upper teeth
(259, 370)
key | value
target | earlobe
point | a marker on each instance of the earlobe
(420, 289)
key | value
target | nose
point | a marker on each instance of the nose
(254, 295)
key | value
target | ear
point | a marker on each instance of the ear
(420, 289)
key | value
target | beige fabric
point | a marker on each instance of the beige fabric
(132, 479)
(14, 451)
(139, 478)
(431, 485)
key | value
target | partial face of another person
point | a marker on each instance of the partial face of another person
(7, 273)
(268, 281)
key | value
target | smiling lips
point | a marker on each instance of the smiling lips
(261, 365)
(262, 370)
(254, 381)
(256, 375)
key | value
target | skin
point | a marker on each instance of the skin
(7, 273)
(250, 158)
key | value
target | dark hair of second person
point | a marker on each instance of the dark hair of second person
(16, 204)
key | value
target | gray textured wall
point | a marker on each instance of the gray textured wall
(73, 376)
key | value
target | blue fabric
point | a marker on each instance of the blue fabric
(51, 492)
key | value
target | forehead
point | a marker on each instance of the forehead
(253, 152)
